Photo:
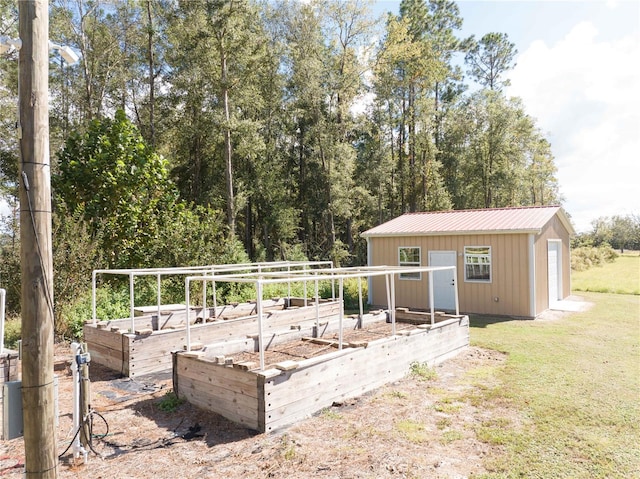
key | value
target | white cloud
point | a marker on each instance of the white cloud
(585, 94)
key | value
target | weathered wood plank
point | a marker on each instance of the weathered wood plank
(226, 398)
(308, 390)
(190, 390)
(209, 372)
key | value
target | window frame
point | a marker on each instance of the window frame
(488, 264)
(410, 276)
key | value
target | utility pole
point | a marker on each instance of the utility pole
(35, 237)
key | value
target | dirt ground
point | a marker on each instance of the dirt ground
(413, 428)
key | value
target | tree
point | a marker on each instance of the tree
(490, 58)
(618, 231)
(118, 184)
(222, 49)
(406, 69)
(504, 161)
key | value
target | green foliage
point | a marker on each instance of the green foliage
(491, 58)
(621, 232)
(170, 402)
(110, 177)
(10, 274)
(111, 303)
(76, 253)
(260, 118)
(12, 332)
(423, 371)
(350, 291)
(585, 257)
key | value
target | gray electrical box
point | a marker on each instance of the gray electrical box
(11, 410)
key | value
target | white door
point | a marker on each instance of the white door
(555, 272)
(444, 281)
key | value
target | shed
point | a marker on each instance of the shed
(510, 261)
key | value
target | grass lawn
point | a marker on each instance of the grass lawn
(575, 383)
(622, 276)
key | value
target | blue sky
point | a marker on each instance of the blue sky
(578, 73)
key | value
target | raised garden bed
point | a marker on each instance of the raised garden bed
(304, 374)
(147, 349)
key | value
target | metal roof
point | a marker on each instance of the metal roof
(487, 221)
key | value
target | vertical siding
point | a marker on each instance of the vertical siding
(510, 277)
(554, 230)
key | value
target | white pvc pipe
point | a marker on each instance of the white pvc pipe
(341, 300)
(159, 298)
(93, 297)
(131, 303)
(260, 332)
(304, 269)
(186, 297)
(392, 307)
(3, 295)
(431, 297)
(360, 299)
(204, 301)
(386, 280)
(317, 309)
(333, 285)
(215, 300)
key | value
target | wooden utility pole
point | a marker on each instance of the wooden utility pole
(35, 238)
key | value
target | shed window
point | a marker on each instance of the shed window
(477, 263)
(409, 256)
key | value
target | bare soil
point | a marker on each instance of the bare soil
(413, 428)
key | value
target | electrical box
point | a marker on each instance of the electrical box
(11, 410)
(12, 425)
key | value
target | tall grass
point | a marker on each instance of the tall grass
(621, 276)
(575, 384)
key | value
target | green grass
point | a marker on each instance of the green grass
(621, 277)
(413, 431)
(574, 384)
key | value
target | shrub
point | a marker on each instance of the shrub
(110, 304)
(585, 257)
(350, 291)
(170, 402)
(12, 333)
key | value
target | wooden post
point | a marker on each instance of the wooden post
(35, 239)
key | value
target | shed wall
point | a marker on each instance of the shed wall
(510, 272)
(553, 230)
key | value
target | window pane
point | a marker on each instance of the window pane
(477, 260)
(409, 256)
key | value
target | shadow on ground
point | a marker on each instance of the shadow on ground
(148, 397)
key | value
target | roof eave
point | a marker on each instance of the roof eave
(451, 233)
(564, 219)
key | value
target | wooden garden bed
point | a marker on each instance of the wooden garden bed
(305, 373)
(147, 349)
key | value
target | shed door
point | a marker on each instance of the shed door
(555, 272)
(443, 281)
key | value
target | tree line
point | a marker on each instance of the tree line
(220, 130)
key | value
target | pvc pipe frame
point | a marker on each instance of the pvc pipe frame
(211, 269)
(341, 274)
